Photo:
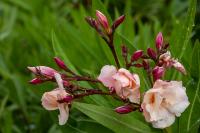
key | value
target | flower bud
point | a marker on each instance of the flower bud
(159, 40)
(60, 63)
(118, 21)
(136, 55)
(36, 81)
(102, 19)
(158, 72)
(43, 71)
(151, 53)
(138, 65)
(145, 64)
(92, 22)
(66, 99)
(124, 51)
(124, 109)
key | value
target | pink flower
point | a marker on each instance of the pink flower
(43, 70)
(163, 102)
(126, 84)
(167, 61)
(50, 100)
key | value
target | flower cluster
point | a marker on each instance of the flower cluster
(160, 104)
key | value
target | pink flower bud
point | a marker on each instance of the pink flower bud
(136, 55)
(36, 81)
(102, 19)
(124, 51)
(124, 109)
(158, 72)
(159, 40)
(118, 21)
(43, 71)
(151, 53)
(60, 63)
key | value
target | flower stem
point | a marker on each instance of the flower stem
(168, 130)
(91, 92)
(112, 48)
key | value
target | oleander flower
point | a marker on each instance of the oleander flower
(125, 84)
(163, 102)
(167, 61)
(43, 70)
(50, 100)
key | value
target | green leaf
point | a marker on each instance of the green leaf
(116, 122)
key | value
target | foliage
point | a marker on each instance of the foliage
(32, 32)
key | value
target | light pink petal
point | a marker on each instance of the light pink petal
(59, 80)
(49, 99)
(106, 75)
(166, 120)
(64, 113)
(44, 70)
(178, 66)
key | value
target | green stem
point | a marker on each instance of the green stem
(168, 130)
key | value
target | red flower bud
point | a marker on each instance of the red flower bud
(124, 109)
(124, 50)
(158, 72)
(145, 64)
(102, 19)
(138, 65)
(92, 22)
(136, 55)
(60, 63)
(66, 99)
(36, 81)
(159, 40)
(151, 53)
(118, 21)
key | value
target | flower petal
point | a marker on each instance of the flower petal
(64, 113)
(106, 75)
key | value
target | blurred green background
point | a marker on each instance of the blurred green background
(32, 32)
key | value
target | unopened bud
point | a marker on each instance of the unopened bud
(124, 109)
(152, 54)
(118, 21)
(102, 19)
(138, 65)
(43, 71)
(66, 99)
(145, 64)
(60, 63)
(159, 40)
(158, 72)
(92, 22)
(124, 50)
(36, 81)
(136, 55)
